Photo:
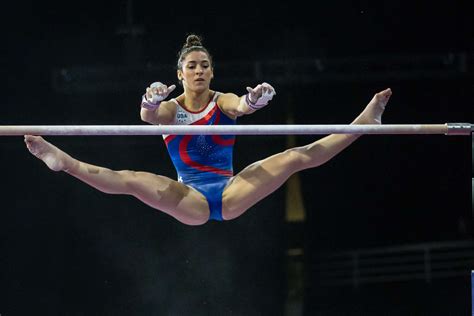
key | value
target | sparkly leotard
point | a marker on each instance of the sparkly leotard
(203, 162)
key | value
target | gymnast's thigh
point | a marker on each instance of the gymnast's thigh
(177, 199)
(257, 181)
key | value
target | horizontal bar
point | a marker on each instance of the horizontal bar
(129, 130)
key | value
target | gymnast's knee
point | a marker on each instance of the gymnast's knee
(131, 181)
(296, 159)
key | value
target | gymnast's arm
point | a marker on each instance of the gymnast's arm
(163, 115)
(256, 99)
(233, 105)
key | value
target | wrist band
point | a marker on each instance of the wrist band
(148, 104)
(253, 105)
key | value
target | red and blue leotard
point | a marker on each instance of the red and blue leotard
(203, 162)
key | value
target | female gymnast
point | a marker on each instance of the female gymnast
(206, 187)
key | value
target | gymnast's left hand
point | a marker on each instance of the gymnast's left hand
(261, 94)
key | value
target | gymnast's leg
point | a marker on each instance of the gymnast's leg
(262, 178)
(176, 199)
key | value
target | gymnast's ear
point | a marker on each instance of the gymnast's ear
(179, 73)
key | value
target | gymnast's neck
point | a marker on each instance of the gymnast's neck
(196, 100)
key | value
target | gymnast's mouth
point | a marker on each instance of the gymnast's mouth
(200, 79)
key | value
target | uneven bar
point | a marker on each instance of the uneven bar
(133, 130)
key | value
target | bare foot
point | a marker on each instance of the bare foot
(52, 156)
(372, 113)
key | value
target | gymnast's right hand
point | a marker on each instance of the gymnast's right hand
(157, 92)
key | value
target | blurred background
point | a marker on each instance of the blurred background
(385, 228)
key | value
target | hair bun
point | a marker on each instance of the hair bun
(193, 44)
(192, 40)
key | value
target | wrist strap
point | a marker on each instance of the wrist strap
(253, 105)
(148, 104)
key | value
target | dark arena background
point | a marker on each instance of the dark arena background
(385, 228)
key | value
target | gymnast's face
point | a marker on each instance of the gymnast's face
(196, 72)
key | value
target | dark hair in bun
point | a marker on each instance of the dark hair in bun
(193, 43)
(192, 40)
